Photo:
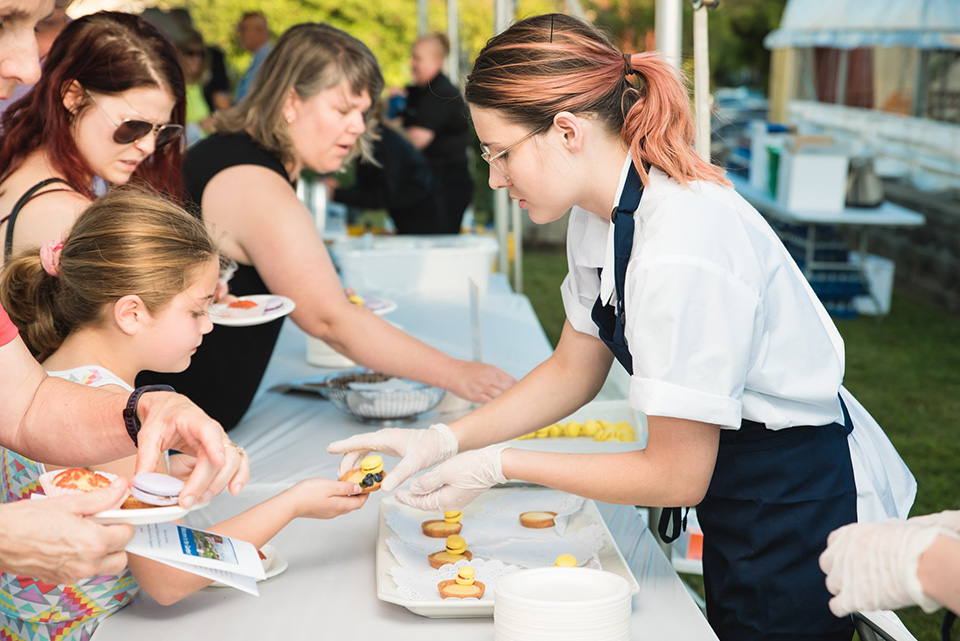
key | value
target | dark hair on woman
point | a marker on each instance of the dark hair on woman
(129, 241)
(551, 63)
(107, 52)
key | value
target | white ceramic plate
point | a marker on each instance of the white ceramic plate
(145, 516)
(218, 315)
(273, 565)
(610, 559)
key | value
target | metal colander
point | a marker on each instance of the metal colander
(381, 406)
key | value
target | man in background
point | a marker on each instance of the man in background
(436, 122)
(254, 37)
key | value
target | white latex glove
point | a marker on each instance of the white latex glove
(873, 566)
(457, 482)
(948, 520)
(419, 448)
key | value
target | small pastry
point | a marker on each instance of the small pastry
(243, 309)
(368, 476)
(565, 561)
(456, 551)
(442, 528)
(131, 503)
(462, 587)
(273, 304)
(156, 489)
(537, 520)
(74, 480)
(80, 480)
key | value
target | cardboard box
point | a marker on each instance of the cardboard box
(812, 178)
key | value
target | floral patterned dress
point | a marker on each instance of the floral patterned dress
(32, 610)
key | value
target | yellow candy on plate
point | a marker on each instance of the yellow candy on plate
(555, 430)
(590, 428)
(571, 429)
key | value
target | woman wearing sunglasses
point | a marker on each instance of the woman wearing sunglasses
(104, 117)
(731, 357)
(309, 107)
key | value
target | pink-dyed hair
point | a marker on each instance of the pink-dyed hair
(551, 63)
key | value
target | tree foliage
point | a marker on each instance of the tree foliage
(389, 28)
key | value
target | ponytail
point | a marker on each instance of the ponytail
(29, 295)
(551, 63)
(129, 241)
(658, 125)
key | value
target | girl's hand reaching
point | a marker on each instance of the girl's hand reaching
(317, 498)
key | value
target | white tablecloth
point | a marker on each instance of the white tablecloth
(329, 590)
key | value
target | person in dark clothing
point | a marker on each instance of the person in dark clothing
(436, 121)
(398, 180)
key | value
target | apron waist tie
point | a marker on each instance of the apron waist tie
(673, 520)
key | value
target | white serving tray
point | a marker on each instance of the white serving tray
(610, 557)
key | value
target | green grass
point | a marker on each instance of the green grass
(905, 370)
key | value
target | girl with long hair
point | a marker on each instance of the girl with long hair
(732, 358)
(127, 289)
(108, 108)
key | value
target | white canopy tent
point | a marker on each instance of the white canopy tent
(849, 24)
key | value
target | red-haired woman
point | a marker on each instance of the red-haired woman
(107, 106)
(732, 358)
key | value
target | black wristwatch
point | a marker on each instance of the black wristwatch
(130, 418)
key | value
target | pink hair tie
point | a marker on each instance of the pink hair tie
(50, 257)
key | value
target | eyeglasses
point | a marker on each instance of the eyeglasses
(496, 161)
(129, 131)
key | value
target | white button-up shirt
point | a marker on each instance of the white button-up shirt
(722, 325)
(720, 322)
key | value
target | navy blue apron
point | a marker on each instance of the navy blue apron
(774, 497)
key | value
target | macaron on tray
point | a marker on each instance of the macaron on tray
(448, 564)
(151, 497)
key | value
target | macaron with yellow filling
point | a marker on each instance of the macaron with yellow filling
(442, 528)
(368, 476)
(456, 550)
(465, 586)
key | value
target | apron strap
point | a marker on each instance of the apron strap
(948, 620)
(668, 535)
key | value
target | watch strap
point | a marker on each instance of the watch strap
(130, 419)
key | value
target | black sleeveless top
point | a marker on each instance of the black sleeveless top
(226, 371)
(30, 194)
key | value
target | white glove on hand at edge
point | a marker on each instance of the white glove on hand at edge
(873, 566)
(419, 448)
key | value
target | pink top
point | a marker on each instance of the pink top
(8, 331)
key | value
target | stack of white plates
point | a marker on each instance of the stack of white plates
(562, 604)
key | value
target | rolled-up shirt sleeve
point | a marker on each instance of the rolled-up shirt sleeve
(8, 331)
(690, 328)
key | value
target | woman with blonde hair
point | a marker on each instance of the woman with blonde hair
(308, 107)
(732, 358)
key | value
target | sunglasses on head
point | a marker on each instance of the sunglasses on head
(129, 131)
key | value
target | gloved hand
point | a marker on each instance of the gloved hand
(948, 520)
(457, 482)
(873, 566)
(419, 448)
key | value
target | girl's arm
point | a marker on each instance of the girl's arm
(311, 498)
(262, 223)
